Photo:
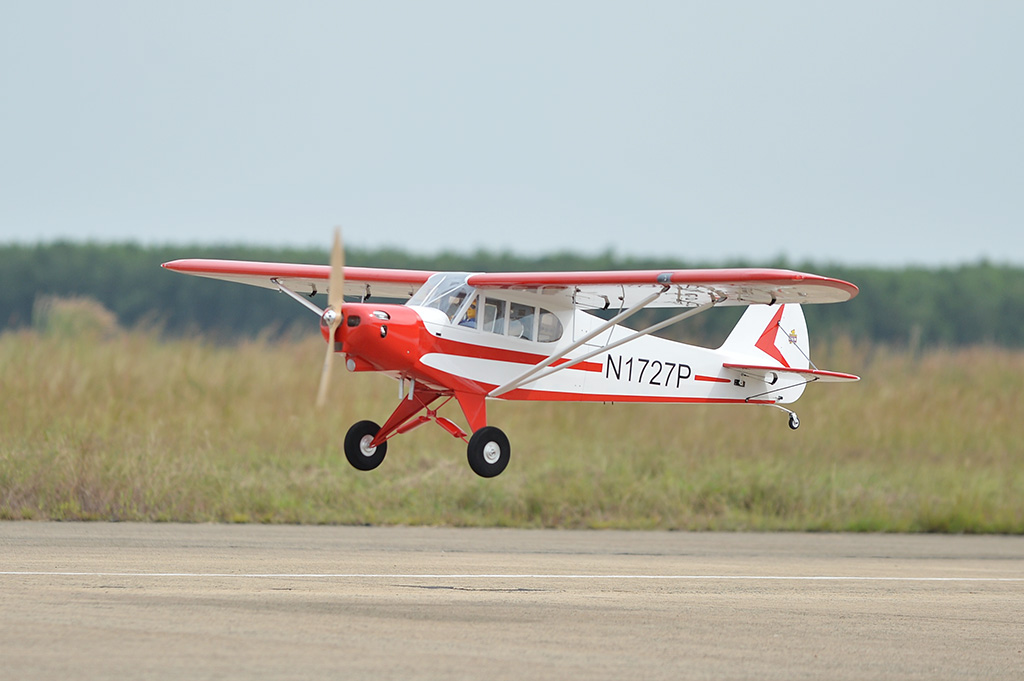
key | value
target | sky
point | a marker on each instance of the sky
(861, 133)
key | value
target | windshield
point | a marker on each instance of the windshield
(445, 291)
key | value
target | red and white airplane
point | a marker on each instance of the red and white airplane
(530, 336)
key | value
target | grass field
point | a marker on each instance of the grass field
(124, 425)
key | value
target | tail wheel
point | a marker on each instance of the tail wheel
(488, 452)
(357, 446)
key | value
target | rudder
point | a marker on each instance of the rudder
(771, 334)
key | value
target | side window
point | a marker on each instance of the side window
(550, 328)
(521, 319)
(517, 320)
(494, 316)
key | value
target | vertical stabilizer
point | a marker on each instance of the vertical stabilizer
(772, 335)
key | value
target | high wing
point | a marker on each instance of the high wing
(363, 282)
(586, 290)
(679, 288)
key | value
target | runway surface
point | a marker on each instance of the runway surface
(161, 601)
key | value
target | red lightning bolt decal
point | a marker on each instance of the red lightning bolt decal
(766, 343)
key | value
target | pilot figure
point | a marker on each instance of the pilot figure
(470, 318)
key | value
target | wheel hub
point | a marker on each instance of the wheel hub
(492, 452)
(364, 446)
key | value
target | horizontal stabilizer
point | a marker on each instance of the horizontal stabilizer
(766, 373)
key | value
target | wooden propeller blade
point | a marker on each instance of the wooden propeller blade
(335, 299)
(336, 283)
(325, 373)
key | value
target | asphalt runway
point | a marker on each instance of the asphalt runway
(162, 601)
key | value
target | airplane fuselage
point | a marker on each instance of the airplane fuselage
(422, 344)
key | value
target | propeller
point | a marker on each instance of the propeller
(332, 314)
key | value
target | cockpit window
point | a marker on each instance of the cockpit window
(449, 292)
(445, 291)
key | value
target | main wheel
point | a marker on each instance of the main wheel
(357, 446)
(488, 452)
(794, 421)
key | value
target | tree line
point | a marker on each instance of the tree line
(970, 304)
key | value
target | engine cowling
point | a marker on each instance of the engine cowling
(378, 337)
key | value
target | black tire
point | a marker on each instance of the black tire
(794, 421)
(361, 457)
(488, 452)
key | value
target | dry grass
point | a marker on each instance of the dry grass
(128, 426)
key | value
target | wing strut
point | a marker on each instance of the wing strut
(296, 297)
(520, 379)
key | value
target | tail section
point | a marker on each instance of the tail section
(770, 355)
(768, 350)
(771, 335)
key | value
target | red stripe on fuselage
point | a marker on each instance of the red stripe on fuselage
(460, 349)
(551, 396)
(711, 379)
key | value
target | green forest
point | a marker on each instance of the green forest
(916, 308)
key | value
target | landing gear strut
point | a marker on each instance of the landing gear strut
(794, 420)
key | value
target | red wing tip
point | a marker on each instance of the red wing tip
(838, 375)
(176, 265)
